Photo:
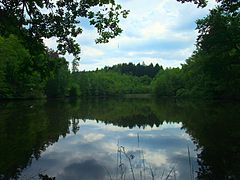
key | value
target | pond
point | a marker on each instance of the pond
(97, 139)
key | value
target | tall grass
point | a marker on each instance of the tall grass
(146, 171)
(190, 164)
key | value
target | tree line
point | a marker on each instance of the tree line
(136, 70)
(116, 80)
(30, 70)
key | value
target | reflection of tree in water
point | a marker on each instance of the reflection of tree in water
(215, 128)
(121, 112)
(75, 125)
(26, 130)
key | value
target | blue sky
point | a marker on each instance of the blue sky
(155, 31)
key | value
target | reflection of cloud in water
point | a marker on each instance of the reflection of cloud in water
(170, 139)
(163, 147)
(86, 170)
(181, 164)
(110, 146)
(157, 158)
(91, 137)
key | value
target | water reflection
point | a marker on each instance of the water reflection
(79, 139)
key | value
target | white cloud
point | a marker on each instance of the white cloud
(90, 52)
(155, 31)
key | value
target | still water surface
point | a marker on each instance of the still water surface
(119, 139)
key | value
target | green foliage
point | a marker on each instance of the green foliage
(200, 3)
(26, 76)
(37, 19)
(59, 83)
(28, 69)
(74, 91)
(136, 70)
(168, 82)
(18, 79)
(230, 6)
(213, 70)
(110, 83)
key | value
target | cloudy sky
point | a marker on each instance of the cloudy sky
(156, 31)
(93, 150)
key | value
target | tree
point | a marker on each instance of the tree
(18, 77)
(136, 70)
(36, 19)
(213, 71)
(227, 5)
(168, 82)
(59, 83)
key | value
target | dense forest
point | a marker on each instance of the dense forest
(117, 80)
(28, 69)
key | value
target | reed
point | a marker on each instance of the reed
(169, 174)
(129, 157)
(109, 174)
(146, 171)
(152, 174)
(191, 171)
(162, 174)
